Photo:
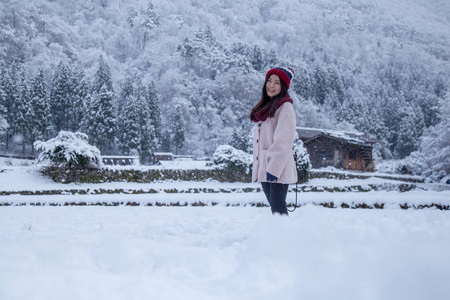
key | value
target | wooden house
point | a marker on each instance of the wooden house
(120, 160)
(162, 156)
(343, 150)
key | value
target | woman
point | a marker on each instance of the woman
(274, 115)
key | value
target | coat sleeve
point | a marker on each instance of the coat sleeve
(280, 151)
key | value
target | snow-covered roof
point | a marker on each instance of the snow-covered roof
(353, 137)
(120, 156)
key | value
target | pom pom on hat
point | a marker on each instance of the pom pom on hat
(286, 74)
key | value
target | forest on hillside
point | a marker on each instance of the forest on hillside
(182, 75)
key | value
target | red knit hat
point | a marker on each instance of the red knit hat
(286, 74)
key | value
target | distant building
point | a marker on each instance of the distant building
(339, 149)
(162, 156)
(159, 157)
(118, 160)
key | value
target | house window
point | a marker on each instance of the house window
(352, 154)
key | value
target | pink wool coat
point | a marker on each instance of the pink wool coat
(272, 146)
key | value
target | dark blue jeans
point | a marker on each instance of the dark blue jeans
(276, 195)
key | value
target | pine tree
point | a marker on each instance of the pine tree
(61, 97)
(139, 120)
(435, 143)
(152, 101)
(130, 137)
(178, 129)
(257, 59)
(166, 140)
(9, 78)
(210, 125)
(187, 52)
(24, 112)
(408, 132)
(150, 21)
(126, 91)
(102, 77)
(3, 112)
(100, 123)
(239, 140)
(148, 140)
(40, 126)
(80, 96)
(320, 88)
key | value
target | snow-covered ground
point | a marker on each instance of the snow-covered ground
(222, 251)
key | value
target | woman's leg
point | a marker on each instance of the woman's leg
(266, 189)
(276, 195)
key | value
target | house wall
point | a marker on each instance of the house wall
(353, 159)
(324, 152)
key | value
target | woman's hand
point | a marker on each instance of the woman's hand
(271, 178)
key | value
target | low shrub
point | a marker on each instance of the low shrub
(236, 165)
(302, 162)
(69, 150)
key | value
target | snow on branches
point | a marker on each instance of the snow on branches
(69, 149)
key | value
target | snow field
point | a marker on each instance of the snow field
(222, 253)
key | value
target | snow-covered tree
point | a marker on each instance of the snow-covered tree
(24, 110)
(408, 131)
(100, 123)
(150, 121)
(149, 22)
(9, 77)
(239, 139)
(178, 129)
(3, 111)
(151, 99)
(127, 89)
(79, 98)
(101, 120)
(142, 22)
(166, 140)
(211, 125)
(60, 97)
(435, 143)
(130, 131)
(41, 124)
(139, 118)
(69, 150)
(3, 123)
(103, 77)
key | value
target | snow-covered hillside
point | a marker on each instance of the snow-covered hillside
(380, 67)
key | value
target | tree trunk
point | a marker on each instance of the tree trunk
(7, 138)
(24, 148)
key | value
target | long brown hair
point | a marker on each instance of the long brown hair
(265, 99)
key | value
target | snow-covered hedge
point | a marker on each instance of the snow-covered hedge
(69, 150)
(239, 162)
(235, 162)
(303, 163)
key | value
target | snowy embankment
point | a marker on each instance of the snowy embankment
(27, 186)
